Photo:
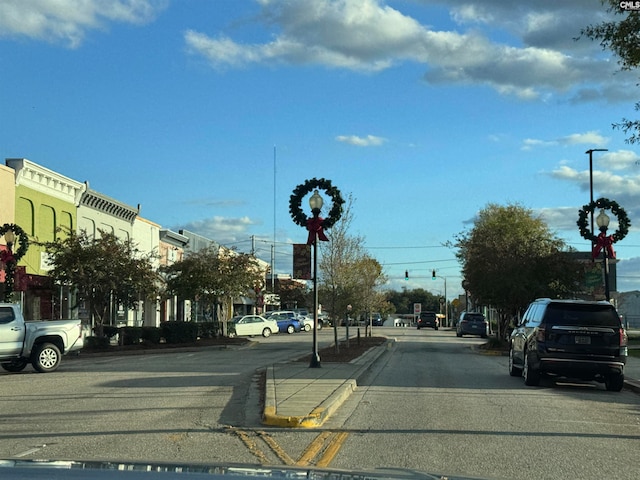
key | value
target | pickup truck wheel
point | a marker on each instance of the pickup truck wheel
(45, 357)
(15, 365)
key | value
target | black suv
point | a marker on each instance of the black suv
(569, 338)
(428, 319)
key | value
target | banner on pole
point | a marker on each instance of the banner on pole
(302, 261)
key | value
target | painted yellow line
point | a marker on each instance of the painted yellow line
(277, 449)
(251, 445)
(313, 449)
(332, 450)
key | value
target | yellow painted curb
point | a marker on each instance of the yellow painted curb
(314, 419)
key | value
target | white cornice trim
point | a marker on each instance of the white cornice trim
(41, 179)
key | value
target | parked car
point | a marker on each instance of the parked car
(288, 321)
(569, 338)
(252, 325)
(428, 319)
(375, 319)
(41, 343)
(472, 323)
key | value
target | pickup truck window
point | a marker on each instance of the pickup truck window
(6, 315)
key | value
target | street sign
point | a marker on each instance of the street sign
(417, 308)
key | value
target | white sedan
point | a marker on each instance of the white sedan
(307, 323)
(252, 325)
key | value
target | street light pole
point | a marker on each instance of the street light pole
(315, 202)
(590, 152)
(446, 309)
(603, 223)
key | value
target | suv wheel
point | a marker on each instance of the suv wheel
(531, 376)
(614, 382)
(513, 370)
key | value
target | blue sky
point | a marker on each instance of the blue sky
(423, 111)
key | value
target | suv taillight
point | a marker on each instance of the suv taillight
(623, 337)
(540, 334)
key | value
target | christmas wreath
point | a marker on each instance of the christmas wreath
(300, 218)
(606, 204)
(10, 258)
(315, 225)
(21, 237)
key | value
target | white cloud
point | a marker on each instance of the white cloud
(587, 138)
(623, 189)
(368, 141)
(67, 21)
(225, 230)
(620, 160)
(561, 218)
(368, 35)
(591, 138)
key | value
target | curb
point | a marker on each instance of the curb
(322, 412)
(84, 354)
(633, 385)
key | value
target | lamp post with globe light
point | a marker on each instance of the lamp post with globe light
(12, 233)
(315, 202)
(315, 225)
(602, 220)
(603, 241)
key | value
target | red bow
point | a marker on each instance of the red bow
(314, 225)
(606, 242)
(6, 256)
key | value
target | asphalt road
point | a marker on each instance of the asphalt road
(430, 404)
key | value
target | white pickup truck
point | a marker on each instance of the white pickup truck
(41, 343)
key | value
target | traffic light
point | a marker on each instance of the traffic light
(406, 274)
(433, 274)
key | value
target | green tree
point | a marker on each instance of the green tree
(294, 294)
(212, 276)
(621, 37)
(105, 271)
(347, 274)
(403, 300)
(511, 257)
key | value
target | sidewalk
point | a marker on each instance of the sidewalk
(297, 396)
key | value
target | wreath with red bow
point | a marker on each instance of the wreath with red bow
(10, 258)
(315, 224)
(601, 240)
(22, 240)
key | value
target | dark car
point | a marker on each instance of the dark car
(569, 338)
(472, 323)
(428, 319)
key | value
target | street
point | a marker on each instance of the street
(431, 404)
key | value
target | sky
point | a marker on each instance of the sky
(208, 113)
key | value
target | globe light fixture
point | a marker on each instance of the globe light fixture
(602, 220)
(316, 202)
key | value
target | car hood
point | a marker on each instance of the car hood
(63, 469)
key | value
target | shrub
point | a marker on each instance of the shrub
(130, 335)
(179, 332)
(208, 329)
(109, 331)
(96, 342)
(151, 335)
